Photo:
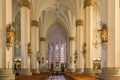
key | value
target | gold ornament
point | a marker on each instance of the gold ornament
(25, 3)
(84, 48)
(38, 55)
(29, 49)
(9, 36)
(104, 33)
(76, 54)
(79, 22)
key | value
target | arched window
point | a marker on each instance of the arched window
(62, 53)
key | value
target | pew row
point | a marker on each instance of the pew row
(41, 76)
(76, 76)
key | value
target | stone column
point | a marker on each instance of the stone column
(43, 52)
(104, 55)
(79, 41)
(72, 53)
(6, 53)
(68, 56)
(25, 37)
(104, 45)
(112, 71)
(88, 6)
(35, 45)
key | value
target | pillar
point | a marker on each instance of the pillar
(79, 41)
(112, 71)
(72, 53)
(6, 60)
(88, 7)
(35, 45)
(104, 45)
(43, 53)
(25, 37)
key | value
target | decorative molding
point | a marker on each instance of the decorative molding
(71, 38)
(25, 3)
(42, 39)
(88, 3)
(79, 22)
(34, 23)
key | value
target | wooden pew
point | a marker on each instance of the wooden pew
(75, 76)
(41, 76)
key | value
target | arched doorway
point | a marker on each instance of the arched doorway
(57, 40)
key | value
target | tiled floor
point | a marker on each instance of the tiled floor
(56, 77)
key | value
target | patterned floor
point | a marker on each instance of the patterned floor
(56, 77)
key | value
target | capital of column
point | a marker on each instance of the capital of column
(42, 39)
(79, 22)
(25, 3)
(35, 23)
(88, 3)
(71, 38)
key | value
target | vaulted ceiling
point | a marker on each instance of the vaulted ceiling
(49, 12)
(39, 5)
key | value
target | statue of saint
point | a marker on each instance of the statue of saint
(70, 59)
(38, 55)
(104, 33)
(9, 34)
(84, 47)
(29, 48)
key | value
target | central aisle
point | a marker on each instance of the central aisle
(56, 77)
